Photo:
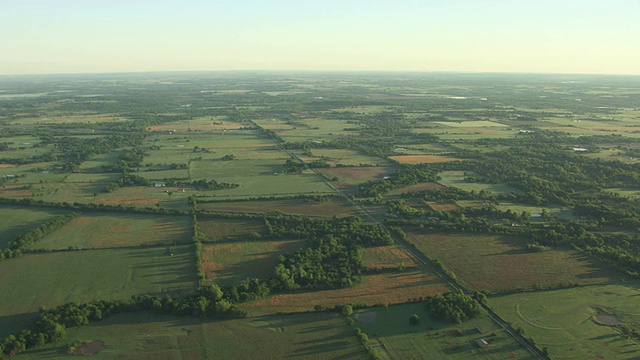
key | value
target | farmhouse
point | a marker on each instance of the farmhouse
(482, 343)
(159, 184)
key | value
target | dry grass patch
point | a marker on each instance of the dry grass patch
(117, 230)
(447, 206)
(332, 207)
(499, 262)
(229, 229)
(388, 257)
(423, 159)
(383, 288)
(417, 188)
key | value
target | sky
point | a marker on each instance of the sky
(97, 36)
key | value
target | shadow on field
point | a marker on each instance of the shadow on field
(144, 317)
(12, 324)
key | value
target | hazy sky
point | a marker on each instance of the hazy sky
(77, 36)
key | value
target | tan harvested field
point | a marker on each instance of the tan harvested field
(500, 263)
(228, 263)
(4, 166)
(423, 159)
(109, 230)
(141, 196)
(417, 188)
(387, 257)
(448, 206)
(384, 288)
(335, 206)
(215, 229)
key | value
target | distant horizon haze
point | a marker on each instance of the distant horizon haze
(476, 36)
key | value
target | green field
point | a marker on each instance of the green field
(257, 178)
(566, 321)
(227, 263)
(456, 179)
(332, 207)
(500, 263)
(108, 230)
(51, 279)
(158, 337)
(557, 211)
(15, 221)
(393, 337)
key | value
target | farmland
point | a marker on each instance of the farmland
(389, 332)
(583, 322)
(149, 336)
(501, 263)
(260, 203)
(230, 262)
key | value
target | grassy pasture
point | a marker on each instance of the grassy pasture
(208, 123)
(422, 149)
(416, 188)
(109, 230)
(562, 212)
(97, 161)
(391, 334)
(456, 179)
(70, 119)
(15, 221)
(142, 196)
(51, 279)
(356, 175)
(91, 178)
(335, 206)
(216, 229)
(347, 157)
(391, 287)
(566, 321)
(142, 336)
(164, 174)
(350, 177)
(227, 263)
(499, 263)
(627, 192)
(423, 159)
(471, 124)
(31, 173)
(257, 178)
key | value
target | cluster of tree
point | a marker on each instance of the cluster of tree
(76, 150)
(293, 167)
(333, 258)
(354, 228)
(212, 185)
(453, 307)
(126, 161)
(51, 325)
(405, 176)
(24, 242)
(127, 180)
